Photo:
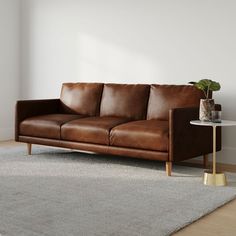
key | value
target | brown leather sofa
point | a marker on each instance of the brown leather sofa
(141, 121)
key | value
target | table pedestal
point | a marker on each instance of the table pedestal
(218, 179)
(214, 178)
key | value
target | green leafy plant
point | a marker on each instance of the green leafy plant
(206, 85)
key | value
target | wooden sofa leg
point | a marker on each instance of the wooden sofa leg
(205, 160)
(168, 168)
(29, 148)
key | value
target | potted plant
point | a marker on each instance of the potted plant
(207, 105)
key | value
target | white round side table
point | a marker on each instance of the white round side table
(212, 177)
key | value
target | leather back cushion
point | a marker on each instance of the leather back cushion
(125, 100)
(81, 98)
(164, 97)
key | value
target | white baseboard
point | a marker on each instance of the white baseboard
(226, 156)
(6, 134)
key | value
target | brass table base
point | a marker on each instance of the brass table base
(217, 179)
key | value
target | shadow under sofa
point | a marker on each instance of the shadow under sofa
(135, 120)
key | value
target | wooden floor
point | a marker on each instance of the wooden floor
(221, 222)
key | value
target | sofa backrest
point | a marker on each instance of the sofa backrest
(125, 100)
(134, 101)
(164, 97)
(81, 98)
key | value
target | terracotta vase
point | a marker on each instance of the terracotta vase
(206, 107)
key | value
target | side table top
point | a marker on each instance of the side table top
(209, 123)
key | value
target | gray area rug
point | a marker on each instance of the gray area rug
(63, 193)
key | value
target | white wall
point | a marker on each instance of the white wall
(131, 41)
(9, 65)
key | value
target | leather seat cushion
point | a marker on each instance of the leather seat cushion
(45, 126)
(143, 134)
(91, 129)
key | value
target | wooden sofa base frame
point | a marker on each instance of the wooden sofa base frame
(151, 155)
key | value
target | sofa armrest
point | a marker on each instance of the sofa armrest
(186, 140)
(29, 108)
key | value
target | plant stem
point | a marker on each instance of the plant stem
(208, 90)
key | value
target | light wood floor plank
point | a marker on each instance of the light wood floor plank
(220, 222)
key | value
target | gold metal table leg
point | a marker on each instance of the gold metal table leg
(214, 178)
